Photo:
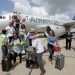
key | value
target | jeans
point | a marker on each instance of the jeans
(51, 52)
(68, 44)
(20, 57)
(40, 61)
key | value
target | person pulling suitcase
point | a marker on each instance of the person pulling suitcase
(39, 48)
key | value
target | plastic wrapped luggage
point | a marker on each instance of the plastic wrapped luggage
(30, 50)
(59, 64)
(31, 60)
(31, 64)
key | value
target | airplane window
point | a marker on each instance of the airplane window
(2, 17)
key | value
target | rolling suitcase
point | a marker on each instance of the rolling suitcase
(31, 64)
(59, 64)
(31, 60)
(6, 64)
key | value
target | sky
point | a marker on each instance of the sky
(59, 9)
(6, 5)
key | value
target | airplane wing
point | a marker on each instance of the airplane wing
(69, 25)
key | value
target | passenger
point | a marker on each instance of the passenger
(16, 47)
(23, 32)
(23, 38)
(37, 44)
(51, 39)
(68, 40)
(10, 31)
(48, 29)
(14, 18)
(17, 26)
(29, 37)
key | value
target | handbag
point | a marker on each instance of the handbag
(56, 49)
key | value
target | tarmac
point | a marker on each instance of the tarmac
(69, 66)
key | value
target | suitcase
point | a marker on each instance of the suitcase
(59, 64)
(31, 59)
(6, 64)
(31, 64)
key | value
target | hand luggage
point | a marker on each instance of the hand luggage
(31, 60)
(59, 64)
(6, 64)
(31, 64)
(56, 49)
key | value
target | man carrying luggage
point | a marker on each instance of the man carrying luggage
(37, 44)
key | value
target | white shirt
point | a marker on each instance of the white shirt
(10, 31)
(46, 34)
(38, 45)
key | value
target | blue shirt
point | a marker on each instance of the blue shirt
(51, 40)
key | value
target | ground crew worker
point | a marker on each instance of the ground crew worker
(68, 40)
(4, 47)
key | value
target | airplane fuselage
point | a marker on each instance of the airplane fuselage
(37, 23)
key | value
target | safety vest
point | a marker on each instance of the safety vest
(3, 39)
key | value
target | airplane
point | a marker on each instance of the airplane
(4, 20)
(38, 24)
